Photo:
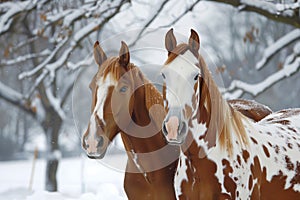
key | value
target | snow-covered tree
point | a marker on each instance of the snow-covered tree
(44, 42)
(42, 36)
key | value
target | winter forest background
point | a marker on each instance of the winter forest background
(46, 65)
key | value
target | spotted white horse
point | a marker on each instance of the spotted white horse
(225, 154)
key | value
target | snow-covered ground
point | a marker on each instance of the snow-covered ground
(78, 178)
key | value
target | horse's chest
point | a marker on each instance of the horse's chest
(233, 174)
(214, 177)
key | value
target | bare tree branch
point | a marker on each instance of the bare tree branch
(291, 66)
(15, 98)
(24, 58)
(176, 19)
(277, 46)
(285, 13)
(65, 44)
(161, 7)
(15, 8)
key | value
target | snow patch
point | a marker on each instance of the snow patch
(181, 174)
(98, 182)
(55, 155)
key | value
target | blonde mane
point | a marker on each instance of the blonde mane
(221, 117)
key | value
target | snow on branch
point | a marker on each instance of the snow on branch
(45, 62)
(10, 94)
(281, 7)
(291, 66)
(14, 8)
(286, 12)
(69, 43)
(277, 46)
(55, 102)
(36, 83)
(75, 14)
(15, 98)
(86, 62)
(24, 58)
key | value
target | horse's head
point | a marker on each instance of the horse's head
(111, 100)
(181, 75)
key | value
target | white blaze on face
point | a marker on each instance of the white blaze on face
(180, 75)
(92, 142)
(180, 80)
(102, 91)
(103, 85)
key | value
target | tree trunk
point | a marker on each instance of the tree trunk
(25, 132)
(51, 126)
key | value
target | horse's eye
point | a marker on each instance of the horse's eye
(196, 77)
(123, 89)
(163, 75)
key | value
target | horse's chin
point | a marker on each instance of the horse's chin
(174, 141)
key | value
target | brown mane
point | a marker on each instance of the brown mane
(219, 112)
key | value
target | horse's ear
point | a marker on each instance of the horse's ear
(170, 40)
(99, 54)
(194, 41)
(124, 55)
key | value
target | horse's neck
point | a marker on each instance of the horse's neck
(221, 120)
(143, 125)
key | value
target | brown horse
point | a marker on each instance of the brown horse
(124, 101)
(226, 155)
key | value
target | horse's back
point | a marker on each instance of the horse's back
(287, 117)
(252, 109)
(275, 155)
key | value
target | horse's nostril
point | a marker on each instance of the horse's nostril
(100, 142)
(84, 143)
(164, 129)
(182, 128)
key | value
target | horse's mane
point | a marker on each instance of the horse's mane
(225, 119)
(153, 99)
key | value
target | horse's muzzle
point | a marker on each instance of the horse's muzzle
(174, 131)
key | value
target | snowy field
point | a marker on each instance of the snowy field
(78, 178)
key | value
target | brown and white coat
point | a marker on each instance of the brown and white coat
(226, 155)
